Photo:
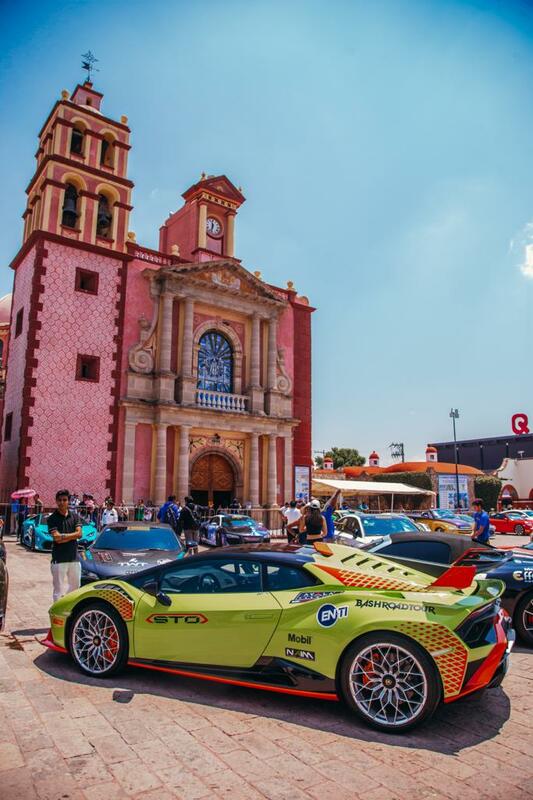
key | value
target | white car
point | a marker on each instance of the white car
(358, 528)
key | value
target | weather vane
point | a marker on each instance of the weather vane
(88, 63)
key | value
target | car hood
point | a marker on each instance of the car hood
(125, 562)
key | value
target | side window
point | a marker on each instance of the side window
(281, 576)
(438, 552)
(216, 576)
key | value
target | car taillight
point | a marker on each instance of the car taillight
(478, 629)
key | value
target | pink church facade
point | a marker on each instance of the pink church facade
(140, 373)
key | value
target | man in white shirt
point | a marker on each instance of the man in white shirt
(109, 514)
(292, 516)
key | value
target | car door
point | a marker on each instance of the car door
(218, 614)
(499, 522)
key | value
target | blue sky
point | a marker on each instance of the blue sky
(384, 149)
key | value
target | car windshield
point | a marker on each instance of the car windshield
(239, 522)
(382, 526)
(443, 513)
(137, 539)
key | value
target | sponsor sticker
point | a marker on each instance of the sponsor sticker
(304, 597)
(306, 655)
(187, 619)
(523, 575)
(300, 638)
(328, 614)
(388, 605)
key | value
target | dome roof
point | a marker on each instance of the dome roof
(5, 309)
(373, 454)
(431, 449)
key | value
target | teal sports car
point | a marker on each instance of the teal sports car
(35, 534)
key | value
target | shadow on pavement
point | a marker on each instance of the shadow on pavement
(454, 727)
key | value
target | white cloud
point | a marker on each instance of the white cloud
(522, 245)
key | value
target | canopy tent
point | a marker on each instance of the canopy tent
(325, 487)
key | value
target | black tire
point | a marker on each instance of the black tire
(519, 530)
(220, 538)
(118, 645)
(358, 699)
(518, 619)
(32, 539)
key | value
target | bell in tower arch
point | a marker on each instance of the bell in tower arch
(104, 218)
(70, 207)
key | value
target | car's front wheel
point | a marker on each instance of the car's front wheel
(519, 530)
(523, 619)
(389, 681)
(98, 640)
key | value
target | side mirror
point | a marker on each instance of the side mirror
(152, 587)
(163, 598)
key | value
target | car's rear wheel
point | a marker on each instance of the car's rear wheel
(389, 681)
(523, 619)
(98, 640)
(31, 533)
(519, 530)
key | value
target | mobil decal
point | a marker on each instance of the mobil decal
(185, 619)
(328, 614)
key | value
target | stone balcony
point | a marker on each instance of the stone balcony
(221, 401)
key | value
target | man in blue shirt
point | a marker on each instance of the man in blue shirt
(327, 513)
(481, 532)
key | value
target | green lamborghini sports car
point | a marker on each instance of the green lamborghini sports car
(327, 621)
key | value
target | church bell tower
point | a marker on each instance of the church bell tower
(62, 383)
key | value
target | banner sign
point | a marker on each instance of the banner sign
(520, 423)
(448, 492)
(302, 480)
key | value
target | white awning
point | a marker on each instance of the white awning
(322, 487)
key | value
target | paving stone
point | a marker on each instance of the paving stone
(134, 777)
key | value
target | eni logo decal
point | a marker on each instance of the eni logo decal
(188, 619)
(520, 423)
(328, 614)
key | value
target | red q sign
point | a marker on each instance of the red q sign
(519, 423)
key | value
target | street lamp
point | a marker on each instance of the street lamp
(454, 414)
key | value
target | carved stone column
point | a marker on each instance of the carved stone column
(272, 472)
(160, 476)
(229, 240)
(272, 398)
(187, 384)
(254, 469)
(255, 391)
(183, 463)
(128, 470)
(165, 332)
(202, 220)
(288, 490)
(165, 380)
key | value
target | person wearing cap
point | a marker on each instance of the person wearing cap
(481, 532)
(109, 514)
(313, 526)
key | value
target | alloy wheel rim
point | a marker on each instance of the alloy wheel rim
(95, 641)
(527, 617)
(388, 684)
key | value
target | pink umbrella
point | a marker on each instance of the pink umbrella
(23, 493)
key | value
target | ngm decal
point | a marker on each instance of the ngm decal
(188, 619)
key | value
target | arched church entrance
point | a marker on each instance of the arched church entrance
(212, 480)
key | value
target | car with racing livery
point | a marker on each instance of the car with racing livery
(35, 535)
(129, 547)
(223, 529)
(323, 621)
(512, 522)
(433, 553)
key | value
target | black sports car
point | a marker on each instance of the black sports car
(434, 552)
(225, 529)
(127, 548)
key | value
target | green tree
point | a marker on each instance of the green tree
(342, 457)
(488, 490)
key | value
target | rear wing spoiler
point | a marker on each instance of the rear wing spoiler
(455, 578)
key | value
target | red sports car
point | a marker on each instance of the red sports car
(512, 522)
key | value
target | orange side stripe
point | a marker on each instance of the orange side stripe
(234, 682)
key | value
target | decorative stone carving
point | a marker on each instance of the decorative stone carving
(233, 446)
(141, 357)
(283, 382)
(226, 281)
